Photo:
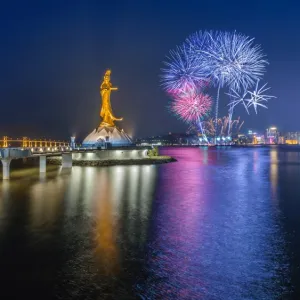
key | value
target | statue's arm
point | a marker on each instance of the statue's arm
(114, 88)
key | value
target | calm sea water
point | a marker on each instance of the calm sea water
(217, 224)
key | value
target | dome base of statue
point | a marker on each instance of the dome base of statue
(107, 134)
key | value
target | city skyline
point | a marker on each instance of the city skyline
(53, 57)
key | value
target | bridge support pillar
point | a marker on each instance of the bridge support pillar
(43, 160)
(66, 160)
(6, 167)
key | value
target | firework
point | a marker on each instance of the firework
(222, 127)
(235, 60)
(258, 97)
(231, 58)
(224, 59)
(249, 98)
(237, 98)
(182, 70)
(191, 105)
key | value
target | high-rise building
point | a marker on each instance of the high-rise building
(272, 135)
(281, 140)
(255, 138)
(293, 138)
(260, 139)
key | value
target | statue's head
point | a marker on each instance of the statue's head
(107, 76)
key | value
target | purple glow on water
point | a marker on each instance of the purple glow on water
(216, 234)
(220, 223)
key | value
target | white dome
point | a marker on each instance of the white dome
(112, 135)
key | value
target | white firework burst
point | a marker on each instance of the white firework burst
(238, 98)
(258, 97)
(235, 61)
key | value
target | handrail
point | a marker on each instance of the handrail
(27, 142)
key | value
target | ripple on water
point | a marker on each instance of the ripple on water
(217, 224)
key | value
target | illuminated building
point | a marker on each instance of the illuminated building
(260, 139)
(170, 139)
(107, 133)
(281, 140)
(72, 144)
(242, 139)
(255, 138)
(252, 137)
(272, 136)
(293, 138)
(291, 142)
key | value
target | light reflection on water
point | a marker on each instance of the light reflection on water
(218, 224)
(217, 235)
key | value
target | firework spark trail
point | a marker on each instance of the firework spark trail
(241, 126)
(249, 98)
(224, 59)
(200, 45)
(238, 98)
(223, 124)
(229, 60)
(244, 77)
(182, 70)
(232, 59)
(202, 130)
(190, 106)
(258, 96)
(238, 63)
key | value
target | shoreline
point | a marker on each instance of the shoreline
(115, 162)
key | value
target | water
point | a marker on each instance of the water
(217, 224)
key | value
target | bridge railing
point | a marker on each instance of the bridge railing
(26, 142)
(39, 150)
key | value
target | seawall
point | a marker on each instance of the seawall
(112, 157)
(56, 160)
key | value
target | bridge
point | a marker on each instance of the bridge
(23, 148)
(25, 142)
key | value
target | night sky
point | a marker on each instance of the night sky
(54, 54)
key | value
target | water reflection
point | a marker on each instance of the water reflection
(106, 249)
(4, 197)
(113, 206)
(218, 224)
(180, 209)
(274, 172)
(45, 202)
(215, 235)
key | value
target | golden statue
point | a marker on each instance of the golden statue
(106, 113)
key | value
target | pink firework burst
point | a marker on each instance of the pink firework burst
(187, 87)
(191, 105)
